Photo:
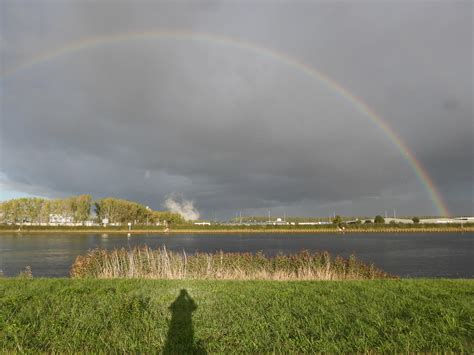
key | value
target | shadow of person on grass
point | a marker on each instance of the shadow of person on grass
(180, 339)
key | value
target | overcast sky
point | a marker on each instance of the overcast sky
(233, 128)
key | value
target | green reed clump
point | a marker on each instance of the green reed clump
(145, 262)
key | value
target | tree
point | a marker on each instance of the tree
(33, 209)
(107, 208)
(415, 220)
(55, 207)
(98, 210)
(22, 210)
(379, 219)
(123, 211)
(45, 211)
(38, 210)
(82, 208)
(337, 220)
(172, 218)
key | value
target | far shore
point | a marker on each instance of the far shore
(443, 229)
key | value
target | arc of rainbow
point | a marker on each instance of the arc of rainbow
(358, 103)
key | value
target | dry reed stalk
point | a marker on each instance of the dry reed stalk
(163, 264)
(185, 263)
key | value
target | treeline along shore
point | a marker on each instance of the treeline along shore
(111, 215)
(225, 229)
(185, 229)
(80, 211)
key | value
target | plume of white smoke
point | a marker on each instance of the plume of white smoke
(185, 208)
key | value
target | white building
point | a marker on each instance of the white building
(464, 219)
(313, 223)
(389, 220)
(278, 222)
(445, 220)
(60, 219)
(202, 223)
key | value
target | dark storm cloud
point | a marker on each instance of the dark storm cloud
(233, 128)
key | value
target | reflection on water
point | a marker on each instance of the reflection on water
(411, 254)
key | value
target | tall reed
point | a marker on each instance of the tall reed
(161, 263)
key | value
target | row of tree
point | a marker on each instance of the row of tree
(38, 210)
(123, 211)
(78, 208)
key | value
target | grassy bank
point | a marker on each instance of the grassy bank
(145, 262)
(68, 315)
(218, 229)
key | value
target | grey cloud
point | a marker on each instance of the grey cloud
(234, 129)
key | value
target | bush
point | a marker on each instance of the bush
(416, 220)
(379, 219)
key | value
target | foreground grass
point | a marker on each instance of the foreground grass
(173, 316)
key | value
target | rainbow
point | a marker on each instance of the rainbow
(361, 106)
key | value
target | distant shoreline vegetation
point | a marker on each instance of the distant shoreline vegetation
(77, 211)
(111, 215)
(223, 229)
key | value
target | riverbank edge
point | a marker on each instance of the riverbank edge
(242, 231)
(70, 315)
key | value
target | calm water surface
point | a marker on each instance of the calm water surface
(412, 254)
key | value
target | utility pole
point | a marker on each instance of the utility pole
(394, 214)
(269, 219)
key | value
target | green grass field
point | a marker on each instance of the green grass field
(65, 315)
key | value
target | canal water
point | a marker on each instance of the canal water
(405, 254)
